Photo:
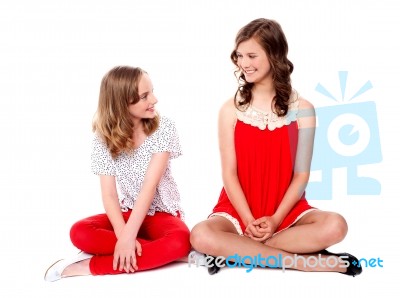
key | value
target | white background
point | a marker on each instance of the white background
(53, 55)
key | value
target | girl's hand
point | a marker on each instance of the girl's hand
(125, 254)
(265, 226)
(138, 248)
(252, 230)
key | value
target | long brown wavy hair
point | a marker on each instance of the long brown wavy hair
(269, 34)
(112, 121)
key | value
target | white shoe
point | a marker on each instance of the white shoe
(54, 272)
(197, 258)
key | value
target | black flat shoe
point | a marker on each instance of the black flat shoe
(213, 269)
(354, 267)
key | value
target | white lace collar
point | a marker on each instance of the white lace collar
(256, 117)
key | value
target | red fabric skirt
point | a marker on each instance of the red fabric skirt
(265, 164)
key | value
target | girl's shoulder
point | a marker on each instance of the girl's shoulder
(228, 108)
(98, 140)
(305, 113)
(304, 104)
(298, 102)
(166, 127)
(166, 123)
(227, 114)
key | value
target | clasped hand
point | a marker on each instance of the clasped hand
(261, 229)
(125, 254)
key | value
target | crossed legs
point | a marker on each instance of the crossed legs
(315, 231)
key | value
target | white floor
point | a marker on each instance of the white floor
(178, 280)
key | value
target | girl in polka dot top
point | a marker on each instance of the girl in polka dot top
(142, 227)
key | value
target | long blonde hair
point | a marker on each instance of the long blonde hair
(112, 121)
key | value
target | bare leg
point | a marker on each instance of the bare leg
(218, 237)
(315, 231)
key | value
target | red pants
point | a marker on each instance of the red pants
(164, 239)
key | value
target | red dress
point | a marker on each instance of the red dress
(265, 163)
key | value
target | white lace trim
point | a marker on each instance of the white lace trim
(233, 220)
(256, 117)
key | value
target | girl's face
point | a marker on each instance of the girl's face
(253, 61)
(144, 108)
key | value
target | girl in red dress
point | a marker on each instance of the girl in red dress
(266, 135)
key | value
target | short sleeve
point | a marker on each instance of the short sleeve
(102, 162)
(167, 139)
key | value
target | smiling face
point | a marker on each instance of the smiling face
(144, 108)
(253, 61)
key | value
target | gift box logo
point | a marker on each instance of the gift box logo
(346, 136)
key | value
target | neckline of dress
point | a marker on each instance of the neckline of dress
(254, 108)
(259, 118)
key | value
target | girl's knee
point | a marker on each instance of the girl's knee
(81, 236)
(201, 238)
(335, 228)
(75, 233)
(180, 242)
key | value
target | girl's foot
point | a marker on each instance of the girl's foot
(55, 271)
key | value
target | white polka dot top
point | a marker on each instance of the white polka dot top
(130, 169)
